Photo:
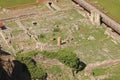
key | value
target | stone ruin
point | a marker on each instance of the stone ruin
(95, 18)
(59, 41)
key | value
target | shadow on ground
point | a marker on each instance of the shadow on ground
(12, 69)
(4, 52)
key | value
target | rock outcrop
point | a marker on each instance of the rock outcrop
(11, 69)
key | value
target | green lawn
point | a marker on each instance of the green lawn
(100, 71)
(113, 71)
(9, 3)
(112, 7)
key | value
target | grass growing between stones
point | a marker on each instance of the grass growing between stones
(89, 42)
(55, 70)
(17, 32)
(94, 45)
(113, 71)
(53, 26)
(12, 25)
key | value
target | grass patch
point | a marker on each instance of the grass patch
(27, 54)
(7, 3)
(51, 55)
(113, 8)
(56, 29)
(98, 72)
(99, 49)
(55, 70)
(41, 36)
(17, 32)
(12, 25)
(113, 71)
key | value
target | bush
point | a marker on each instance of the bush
(70, 59)
(35, 70)
(56, 29)
(28, 54)
(66, 57)
(49, 54)
(41, 36)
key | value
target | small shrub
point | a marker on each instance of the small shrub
(56, 29)
(41, 36)
(71, 60)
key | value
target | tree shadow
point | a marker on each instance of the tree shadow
(79, 67)
(20, 71)
(83, 65)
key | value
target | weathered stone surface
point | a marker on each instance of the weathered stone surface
(95, 18)
(59, 41)
(11, 69)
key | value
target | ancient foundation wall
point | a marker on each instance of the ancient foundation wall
(104, 18)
